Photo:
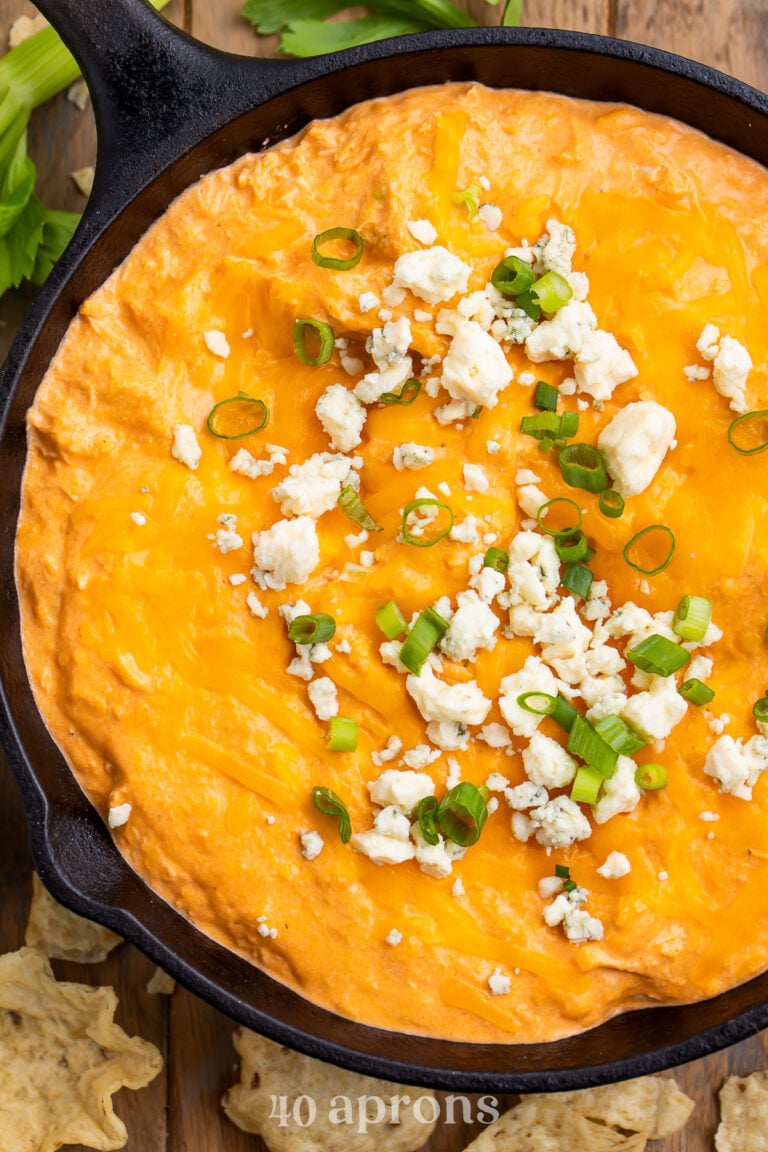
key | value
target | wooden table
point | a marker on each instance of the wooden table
(179, 1112)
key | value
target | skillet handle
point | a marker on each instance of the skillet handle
(154, 87)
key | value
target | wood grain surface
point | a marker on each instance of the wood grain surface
(179, 1112)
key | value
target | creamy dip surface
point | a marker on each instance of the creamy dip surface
(152, 576)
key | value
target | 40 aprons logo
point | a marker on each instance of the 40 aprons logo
(364, 1112)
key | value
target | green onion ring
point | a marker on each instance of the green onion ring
(583, 466)
(330, 804)
(586, 786)
(697, 693)
(571, 530)
(748, 416)
(325, 334)
(547, 710)
(342, 735)
(760, 710)
(241, 398)
(497, 559)
(611, 503)
(349, 234)
(512, 276)
(462, 814)
(426, 501)
(570, 549)
(651, 777)
(315, 629)
(405, 396)
(638, 536)
(391, 620)
(426, 814)
(352, 506)
(551, 291)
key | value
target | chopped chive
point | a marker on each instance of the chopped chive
(651, 777)
(405, 396)
(692, 617)
(543, 704)
(349, 235)
(342, 734)
(425, 502)
(619, 735)
(585, 743)
(570, 549)
(256, 410)
(352, 506)
(626, 550)
(760, 710)
(611, 503)
(497, 559)
(659, 656)
(423, 638)
(512, 276)
(551, 291)
(577, 578)
(391, 620)
(545, 397)
(315, 629)
(426, 814)
(748, 419)
(583, 466)
(323, 332)
(570, 886)
(562, 871)
(327, 802)
(570, 529)
(586, 785)
(462, 814)
(697, 693)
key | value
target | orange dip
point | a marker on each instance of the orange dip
(166, 693)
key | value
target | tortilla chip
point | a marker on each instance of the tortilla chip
(276, 1088)
(542, 1124)
(651, 1104)
(83, 179)
(161, 984)
(62, 1058)
(61, 935)
(743, 1114)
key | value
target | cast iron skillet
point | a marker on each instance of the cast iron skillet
(168, 110)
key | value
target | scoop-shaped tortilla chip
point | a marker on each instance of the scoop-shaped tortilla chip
(62, 1059)
(743, 1114)
(541, 1124)
(62, 935)
(297, 1104)
(650, 1104)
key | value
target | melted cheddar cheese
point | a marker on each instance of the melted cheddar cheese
(165, 692)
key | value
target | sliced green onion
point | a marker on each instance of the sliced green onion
(529, 304)
(315, 629)
(546, 443)
(256, 410)
(692, 618)
(391, 620)
(426, 814)
(512, 276)
(543, 703)
(562, 871)
(550, 425)
(749, 418)
(330, 804)
(545, 397)
(585, 743)
(760, 709)
(659, 656)
(650, 777)
(564, 713)
(348, 234)
(626, 550)
(569, 424)
(425, 502)
(405, 396)
(586, 785)
(423, 638)
(619, 735)
(611, 503)
(353, 507)
(695, 692)
(462, 814)
(583, 466)
(468, 196)
(577, 578)
(324, 333)
(551, 291)
(572, 548)
(342, 734)
(570, 886)
(497, 559)
(570, 529)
